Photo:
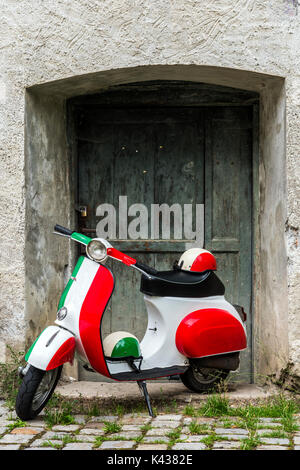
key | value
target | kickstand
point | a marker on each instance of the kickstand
(143, 387)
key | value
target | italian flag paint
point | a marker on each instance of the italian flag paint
(32, 346)
(79, 237)
(126, 347)
(53, 347)
(121, 344)
(85, 297)
(70, 282)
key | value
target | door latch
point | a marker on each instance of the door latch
(82, 209)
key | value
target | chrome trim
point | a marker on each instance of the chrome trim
(61, 234)
(143, 272)
(52, 338)
(61, 316)
(22, 371)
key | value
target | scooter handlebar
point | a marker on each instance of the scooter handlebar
(112, 252)
(147, 269)
(63, 230)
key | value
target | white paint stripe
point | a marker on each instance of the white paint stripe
(43, 352)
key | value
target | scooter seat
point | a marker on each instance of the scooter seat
(178, 283)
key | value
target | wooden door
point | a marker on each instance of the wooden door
(228, 206)
(174, 155)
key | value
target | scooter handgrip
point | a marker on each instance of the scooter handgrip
(146, 268)
(63, 230)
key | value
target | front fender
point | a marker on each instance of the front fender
(52, 348)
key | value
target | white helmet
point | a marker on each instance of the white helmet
(198, 260)
(121, 344)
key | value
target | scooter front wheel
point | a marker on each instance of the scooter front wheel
(35, 391)
(203, 380)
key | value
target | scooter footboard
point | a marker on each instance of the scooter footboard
(209, 332)
(52, 348)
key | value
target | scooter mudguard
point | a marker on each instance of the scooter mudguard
(210, 331)
(51, 349)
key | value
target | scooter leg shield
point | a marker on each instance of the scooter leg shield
(208, 332)
(52, 348)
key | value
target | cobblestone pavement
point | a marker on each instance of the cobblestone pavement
(139, 431)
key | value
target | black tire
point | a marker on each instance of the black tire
(203, 380)
(27, 404)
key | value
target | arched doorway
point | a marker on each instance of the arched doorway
(52, 180)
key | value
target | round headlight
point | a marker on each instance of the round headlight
(96, 250)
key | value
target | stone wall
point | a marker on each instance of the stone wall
(59, 48)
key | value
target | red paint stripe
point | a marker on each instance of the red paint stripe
(64, 354)
(90, 318)
(203, 262)
(121, 256)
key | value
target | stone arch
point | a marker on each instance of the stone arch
(50, 177)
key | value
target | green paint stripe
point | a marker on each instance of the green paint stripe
(70, 282)
(81, 238)
(126, 347)
(32, 346)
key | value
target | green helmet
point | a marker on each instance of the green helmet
(121, 344)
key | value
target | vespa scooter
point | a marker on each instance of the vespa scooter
(192, 330)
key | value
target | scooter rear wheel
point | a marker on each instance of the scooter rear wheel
(203, 380)
(35, 391)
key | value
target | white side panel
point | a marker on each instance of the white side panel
(158, 346)
(49, 341)
(165, 313)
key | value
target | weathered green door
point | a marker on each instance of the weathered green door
(172, 155)
(228, 206)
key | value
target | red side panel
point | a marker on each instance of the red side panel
(210, 331)
(90, 318)
(64, 354)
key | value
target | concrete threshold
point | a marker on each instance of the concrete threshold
(129, 391)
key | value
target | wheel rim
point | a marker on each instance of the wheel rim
(206, 376)
(44, 389)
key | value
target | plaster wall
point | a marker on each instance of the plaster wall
(47, 200)
(52, 50)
